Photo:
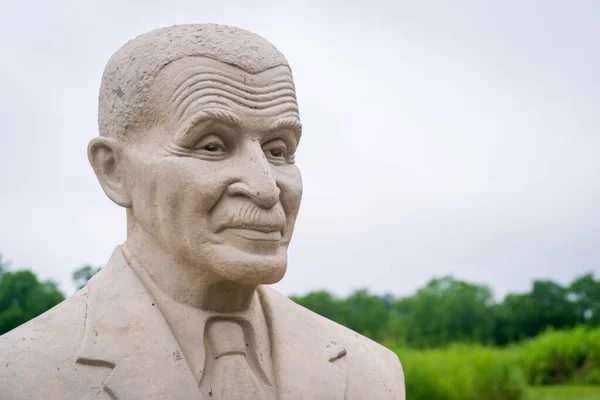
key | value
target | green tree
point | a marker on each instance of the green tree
(445, 310)
(82, 275)
(362, 312)
(554, 309)
(525, 315)
(23, 297)
(323, 303)
(585, 294)
(514, 318)
(366, 314)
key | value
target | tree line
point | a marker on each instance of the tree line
(446, 310)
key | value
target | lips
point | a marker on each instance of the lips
(269, 228)
(257, 233)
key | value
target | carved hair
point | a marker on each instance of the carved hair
(130, 72)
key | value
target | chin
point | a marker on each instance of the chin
(250, 268)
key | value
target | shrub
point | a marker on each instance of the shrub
(555, 357)
(461, 372)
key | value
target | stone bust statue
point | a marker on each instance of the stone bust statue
(198, 129)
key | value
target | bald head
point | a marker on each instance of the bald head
(128, 79)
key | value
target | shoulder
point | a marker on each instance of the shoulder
(48, 329)
(373, 370)
(38, 356)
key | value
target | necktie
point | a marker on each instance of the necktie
(231, 377)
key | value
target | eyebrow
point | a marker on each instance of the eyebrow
(220, 115)
(291, 123)
(213, 114)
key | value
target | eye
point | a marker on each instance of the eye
(211, 145)
(276, 150)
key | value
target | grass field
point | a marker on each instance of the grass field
(564, 393)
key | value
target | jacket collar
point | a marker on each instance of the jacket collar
(305, 351)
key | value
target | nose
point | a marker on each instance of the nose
(257, 181)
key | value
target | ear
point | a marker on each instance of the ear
(104, 155)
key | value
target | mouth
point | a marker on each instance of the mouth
(256, 233)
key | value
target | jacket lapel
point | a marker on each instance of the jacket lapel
(125, 331)
(304, 351)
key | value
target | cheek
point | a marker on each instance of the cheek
(191, 185)
(289, 181)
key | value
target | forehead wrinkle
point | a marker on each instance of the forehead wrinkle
(284, 111)
(198, 74)
(185, 80)
(198, 95)
(275, 92)
(215, 84)
(206, 103)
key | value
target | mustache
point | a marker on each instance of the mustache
(250, 216)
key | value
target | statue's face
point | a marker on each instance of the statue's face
(214, 182)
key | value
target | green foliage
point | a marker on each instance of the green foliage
(323, 303)
(362, 312)
(366, 314)
(586, 293)
(461, 372)
(558, 357)
(82, 275)
(23, 297)
(444, 311)
(526, 315)
(479, 372)
(448, 311)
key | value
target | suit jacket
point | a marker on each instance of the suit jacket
(109, 341)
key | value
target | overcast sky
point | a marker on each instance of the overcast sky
(448, 137)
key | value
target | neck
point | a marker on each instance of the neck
(194, 285)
